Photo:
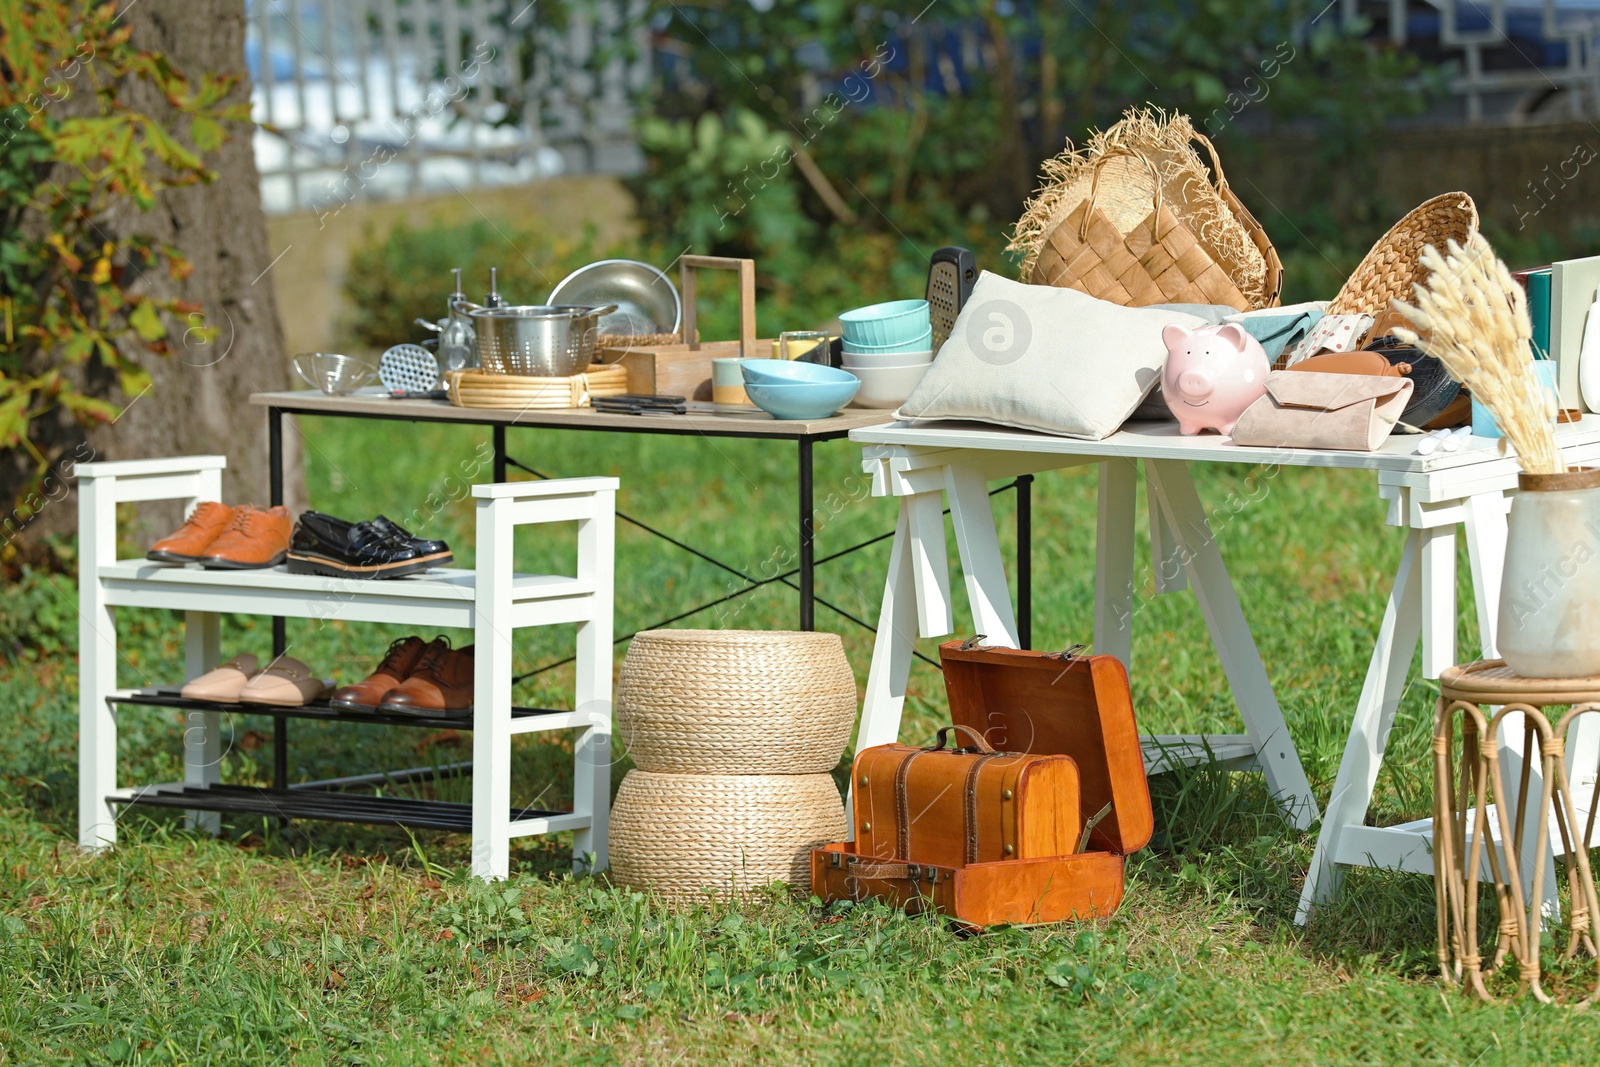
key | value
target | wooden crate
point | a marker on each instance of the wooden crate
(685, 369)
(675, 370)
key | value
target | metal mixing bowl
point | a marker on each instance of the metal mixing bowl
(647, 301)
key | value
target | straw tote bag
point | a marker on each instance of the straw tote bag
(1158, 261)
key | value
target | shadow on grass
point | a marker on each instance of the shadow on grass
(1221, 841)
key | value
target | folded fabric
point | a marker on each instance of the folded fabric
(1332, 333)
(1038, 357)
(1352, 412)
(1278, 328)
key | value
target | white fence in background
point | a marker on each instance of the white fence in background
(379, 99)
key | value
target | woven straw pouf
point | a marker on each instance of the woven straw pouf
(735, 701)
(690, 836)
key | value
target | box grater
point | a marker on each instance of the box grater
(951, 274)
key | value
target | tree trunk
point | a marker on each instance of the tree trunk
(199, 397)
(198, 400)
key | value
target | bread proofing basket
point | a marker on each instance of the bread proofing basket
(535, 341)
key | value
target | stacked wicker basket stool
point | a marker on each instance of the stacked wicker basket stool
(733, 733)
(1470, 818)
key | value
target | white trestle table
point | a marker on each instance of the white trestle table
(1429, 497)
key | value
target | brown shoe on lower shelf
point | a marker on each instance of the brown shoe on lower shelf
(190, 541)
(286, 683)
(441, 684)
(397, 665)
(257, 537)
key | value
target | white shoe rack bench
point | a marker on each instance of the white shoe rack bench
(492, 601)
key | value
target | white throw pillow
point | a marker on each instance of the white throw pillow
(1037, 357)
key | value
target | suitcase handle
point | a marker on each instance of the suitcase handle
(974, 736)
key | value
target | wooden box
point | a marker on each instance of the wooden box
(676, 370)
(685, 369)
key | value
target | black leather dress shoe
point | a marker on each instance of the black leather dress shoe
(323, 544)
(387, 527)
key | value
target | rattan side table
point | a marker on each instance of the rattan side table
(1469, 810)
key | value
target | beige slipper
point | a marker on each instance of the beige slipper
(224, 683)
(286, 683)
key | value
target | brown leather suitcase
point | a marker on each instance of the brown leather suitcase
(1067, 705)
(1059, 704)
(950, 807)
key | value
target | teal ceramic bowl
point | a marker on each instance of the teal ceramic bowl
(892, 323)
(782, 371)
(921, 343)
(802, 400)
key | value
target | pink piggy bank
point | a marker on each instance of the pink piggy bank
(1213, 374)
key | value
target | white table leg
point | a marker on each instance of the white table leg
(930, 563)
(1486, 552)
(972, 516)
(202, 733)
(591, 776)
(1236, 648)
(892, 651)
(1165, 557)
(1113, 559)
(894, 645)
(1438, 599)
(97, 667)
(491, 702)
(1369, 731)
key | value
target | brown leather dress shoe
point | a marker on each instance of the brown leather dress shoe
(397, 665)
(257, 537)
(440, 685)
(190, 541)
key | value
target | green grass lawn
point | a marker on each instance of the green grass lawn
(323, 943)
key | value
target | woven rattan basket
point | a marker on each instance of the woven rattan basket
(689, 835)
(1394, 264)
(735, 701)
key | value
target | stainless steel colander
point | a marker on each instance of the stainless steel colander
(540, 341)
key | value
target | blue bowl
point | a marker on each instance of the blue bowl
(886, 324)
(920, 343)
(802, 400)
(788, 371)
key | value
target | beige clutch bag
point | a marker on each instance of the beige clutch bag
(1306, 409)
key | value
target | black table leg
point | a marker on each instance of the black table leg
(1025, 560)
(499, 454)
(280, 637)
(808, 607)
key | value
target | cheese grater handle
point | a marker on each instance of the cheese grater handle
(966, 270)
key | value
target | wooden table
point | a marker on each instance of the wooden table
(1429, 497)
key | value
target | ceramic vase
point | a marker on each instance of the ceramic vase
(1550, 600)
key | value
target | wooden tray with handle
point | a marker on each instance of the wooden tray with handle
(685, 369)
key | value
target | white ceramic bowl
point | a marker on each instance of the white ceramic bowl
(887, 387)
(854, 360)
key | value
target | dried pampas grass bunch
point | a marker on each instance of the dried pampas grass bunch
(1474, 317)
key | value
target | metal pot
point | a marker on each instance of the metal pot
(533, 340)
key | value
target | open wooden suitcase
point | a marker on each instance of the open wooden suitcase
(1018, 702)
